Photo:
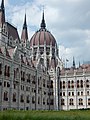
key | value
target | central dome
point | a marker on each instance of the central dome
(43, 45)
(43, 36)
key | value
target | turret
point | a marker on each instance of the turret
(2, 13)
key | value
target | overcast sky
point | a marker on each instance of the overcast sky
(67, 20)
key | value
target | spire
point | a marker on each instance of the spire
(73, 62)
(24, 35)
(2, 5)
(2, 13)
(43, 24)
(25, 24)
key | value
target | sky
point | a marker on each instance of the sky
(67, 20)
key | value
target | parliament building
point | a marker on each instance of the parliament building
(33, 77)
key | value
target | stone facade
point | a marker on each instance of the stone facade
(28, 70)
(32, 76)
(75, 88)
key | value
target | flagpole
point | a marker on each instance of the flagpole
(66, 62)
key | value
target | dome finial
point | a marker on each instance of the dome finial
(43, 24)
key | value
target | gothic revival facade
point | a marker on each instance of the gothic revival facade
(28, 68)
(32, 76)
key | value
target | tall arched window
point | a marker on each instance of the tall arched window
(17, 72)
(77, 83)
(89, 101)
(71, 102)
(80, 101)
(5, 72)
(63, 84)
(60, 84)
(38, 100)
(0, 68)
(23, 76)
(14, 73)
(87, 83)
(27, 99)
(68, 84)
(72, 84)
(43, 82)
(5, 96)
(81, 83)
(8, 71)
(62, 101)
(14, 97)
(22, 59)
(47, 101)
(22, 98)
(43, 101)
(33, 99)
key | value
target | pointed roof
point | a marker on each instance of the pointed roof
(25, 23)
(24, 35)
(43, 24)
(2, 13)
(2, 5)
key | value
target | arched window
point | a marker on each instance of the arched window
(47, 101)
(43, 101)
(71, 102)
(51, 84)
(63, 84)
(5, 72)
(28, 78)
(80, 101)
(43, 82)
(60, 84)
(68, 84)
(17, 72)
(89, 101)
(14, 73)
(87, 83)
(0, 68)
(14, 97)
(22, 59)
(5, 96)
(8, 72)
(72, 84)
(33, 99)
(22, 98)
(81, 83)
(78, 93)
(62, 101)
(77, 83)
(51, 102)
(27, 99)
(81, 93)
(23, 76)
(38, 100)
(88, 93)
